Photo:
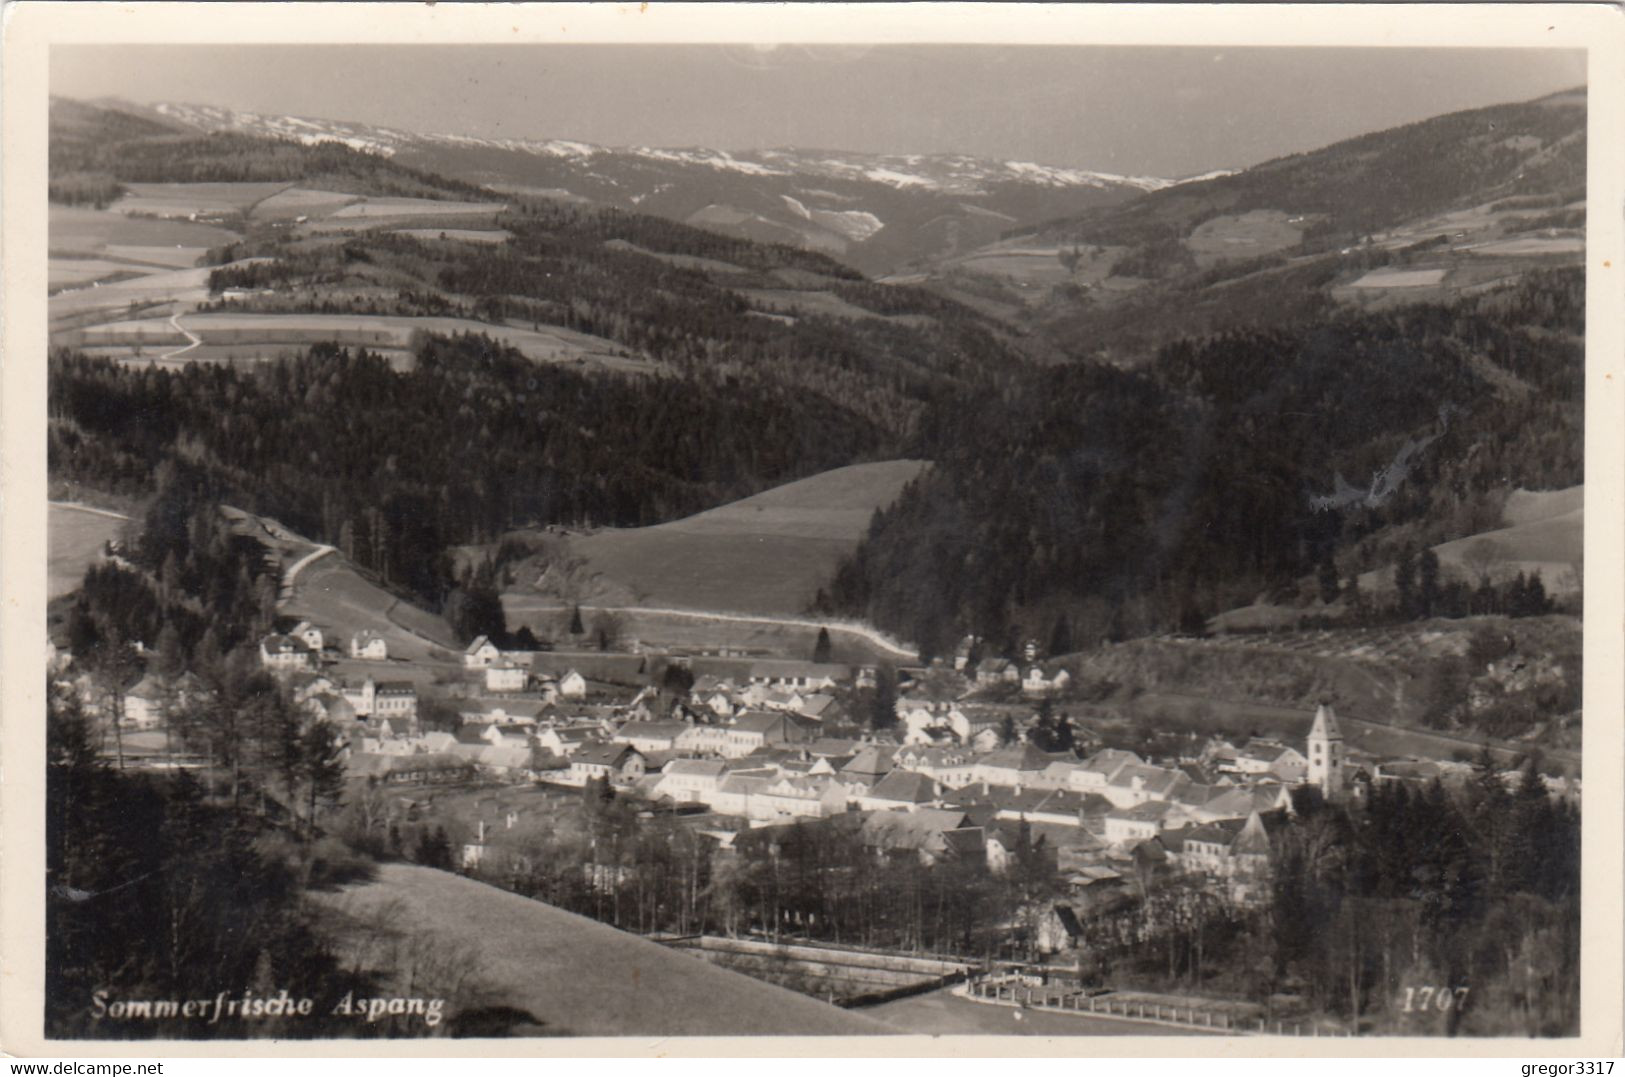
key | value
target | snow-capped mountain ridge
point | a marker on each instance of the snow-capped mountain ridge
(877, 211)
(948, 173)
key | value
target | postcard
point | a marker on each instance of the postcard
(908, 529)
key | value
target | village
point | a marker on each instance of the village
(980, 764)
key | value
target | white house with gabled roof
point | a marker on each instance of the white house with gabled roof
(369, 645)
(572, 686)
(481, 653)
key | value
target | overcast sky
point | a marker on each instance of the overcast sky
(1135, 110)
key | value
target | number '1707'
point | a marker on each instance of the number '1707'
(1423, 999)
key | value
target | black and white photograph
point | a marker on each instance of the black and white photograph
(1072, 539)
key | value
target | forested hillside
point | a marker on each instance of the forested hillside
(397, 467)
(92, 146)
(1363, 185)
(1127, 496)
(1466, 199)
(1135, 501)
(701, 303)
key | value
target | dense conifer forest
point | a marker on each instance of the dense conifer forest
(135, 150)
(1472, 892)
(155, 886)
(395, 468)
(1150, 499)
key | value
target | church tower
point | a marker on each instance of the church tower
(1326, 754)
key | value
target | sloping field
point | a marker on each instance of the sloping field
(73, 229)
(330, 592)
(185, 199)
(1545, 533)
(302, 202)
(1030, 266)
(1535, 245)
(185, 286)
(74, 537)
(1530, 506)
(1400, 278)
(682, 261)
(74, 272)
(784, 301)
(1248, 235)
(550, 344)
(413, 207)
(1023, 267)
(168, 257)
(766, 554)
(467, 235)
(579, 977)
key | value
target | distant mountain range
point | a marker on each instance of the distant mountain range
(1423, 212)
(877, 212)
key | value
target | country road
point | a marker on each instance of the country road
(175, 320)
(519, 604)
(294, 569)
(77, 507)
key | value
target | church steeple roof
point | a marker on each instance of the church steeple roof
(1325, 727)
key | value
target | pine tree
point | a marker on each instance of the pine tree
(1327, 579)
(1060, 639)
(1530, 813)
(883, 708)
(1405, 583)
(1428, 594)
(322, 768)
(171, 659)
(1535, 601)
(821, 649)
(1491, 816)
(434, 849)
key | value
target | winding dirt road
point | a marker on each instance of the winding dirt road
(175, 321)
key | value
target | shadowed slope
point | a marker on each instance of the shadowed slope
(580, 977)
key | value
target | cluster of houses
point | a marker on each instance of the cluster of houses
(755, 752)
(506, 672)
(1025, 672)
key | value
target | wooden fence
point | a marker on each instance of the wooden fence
(1189, 1016)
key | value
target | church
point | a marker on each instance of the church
(1327, 763)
